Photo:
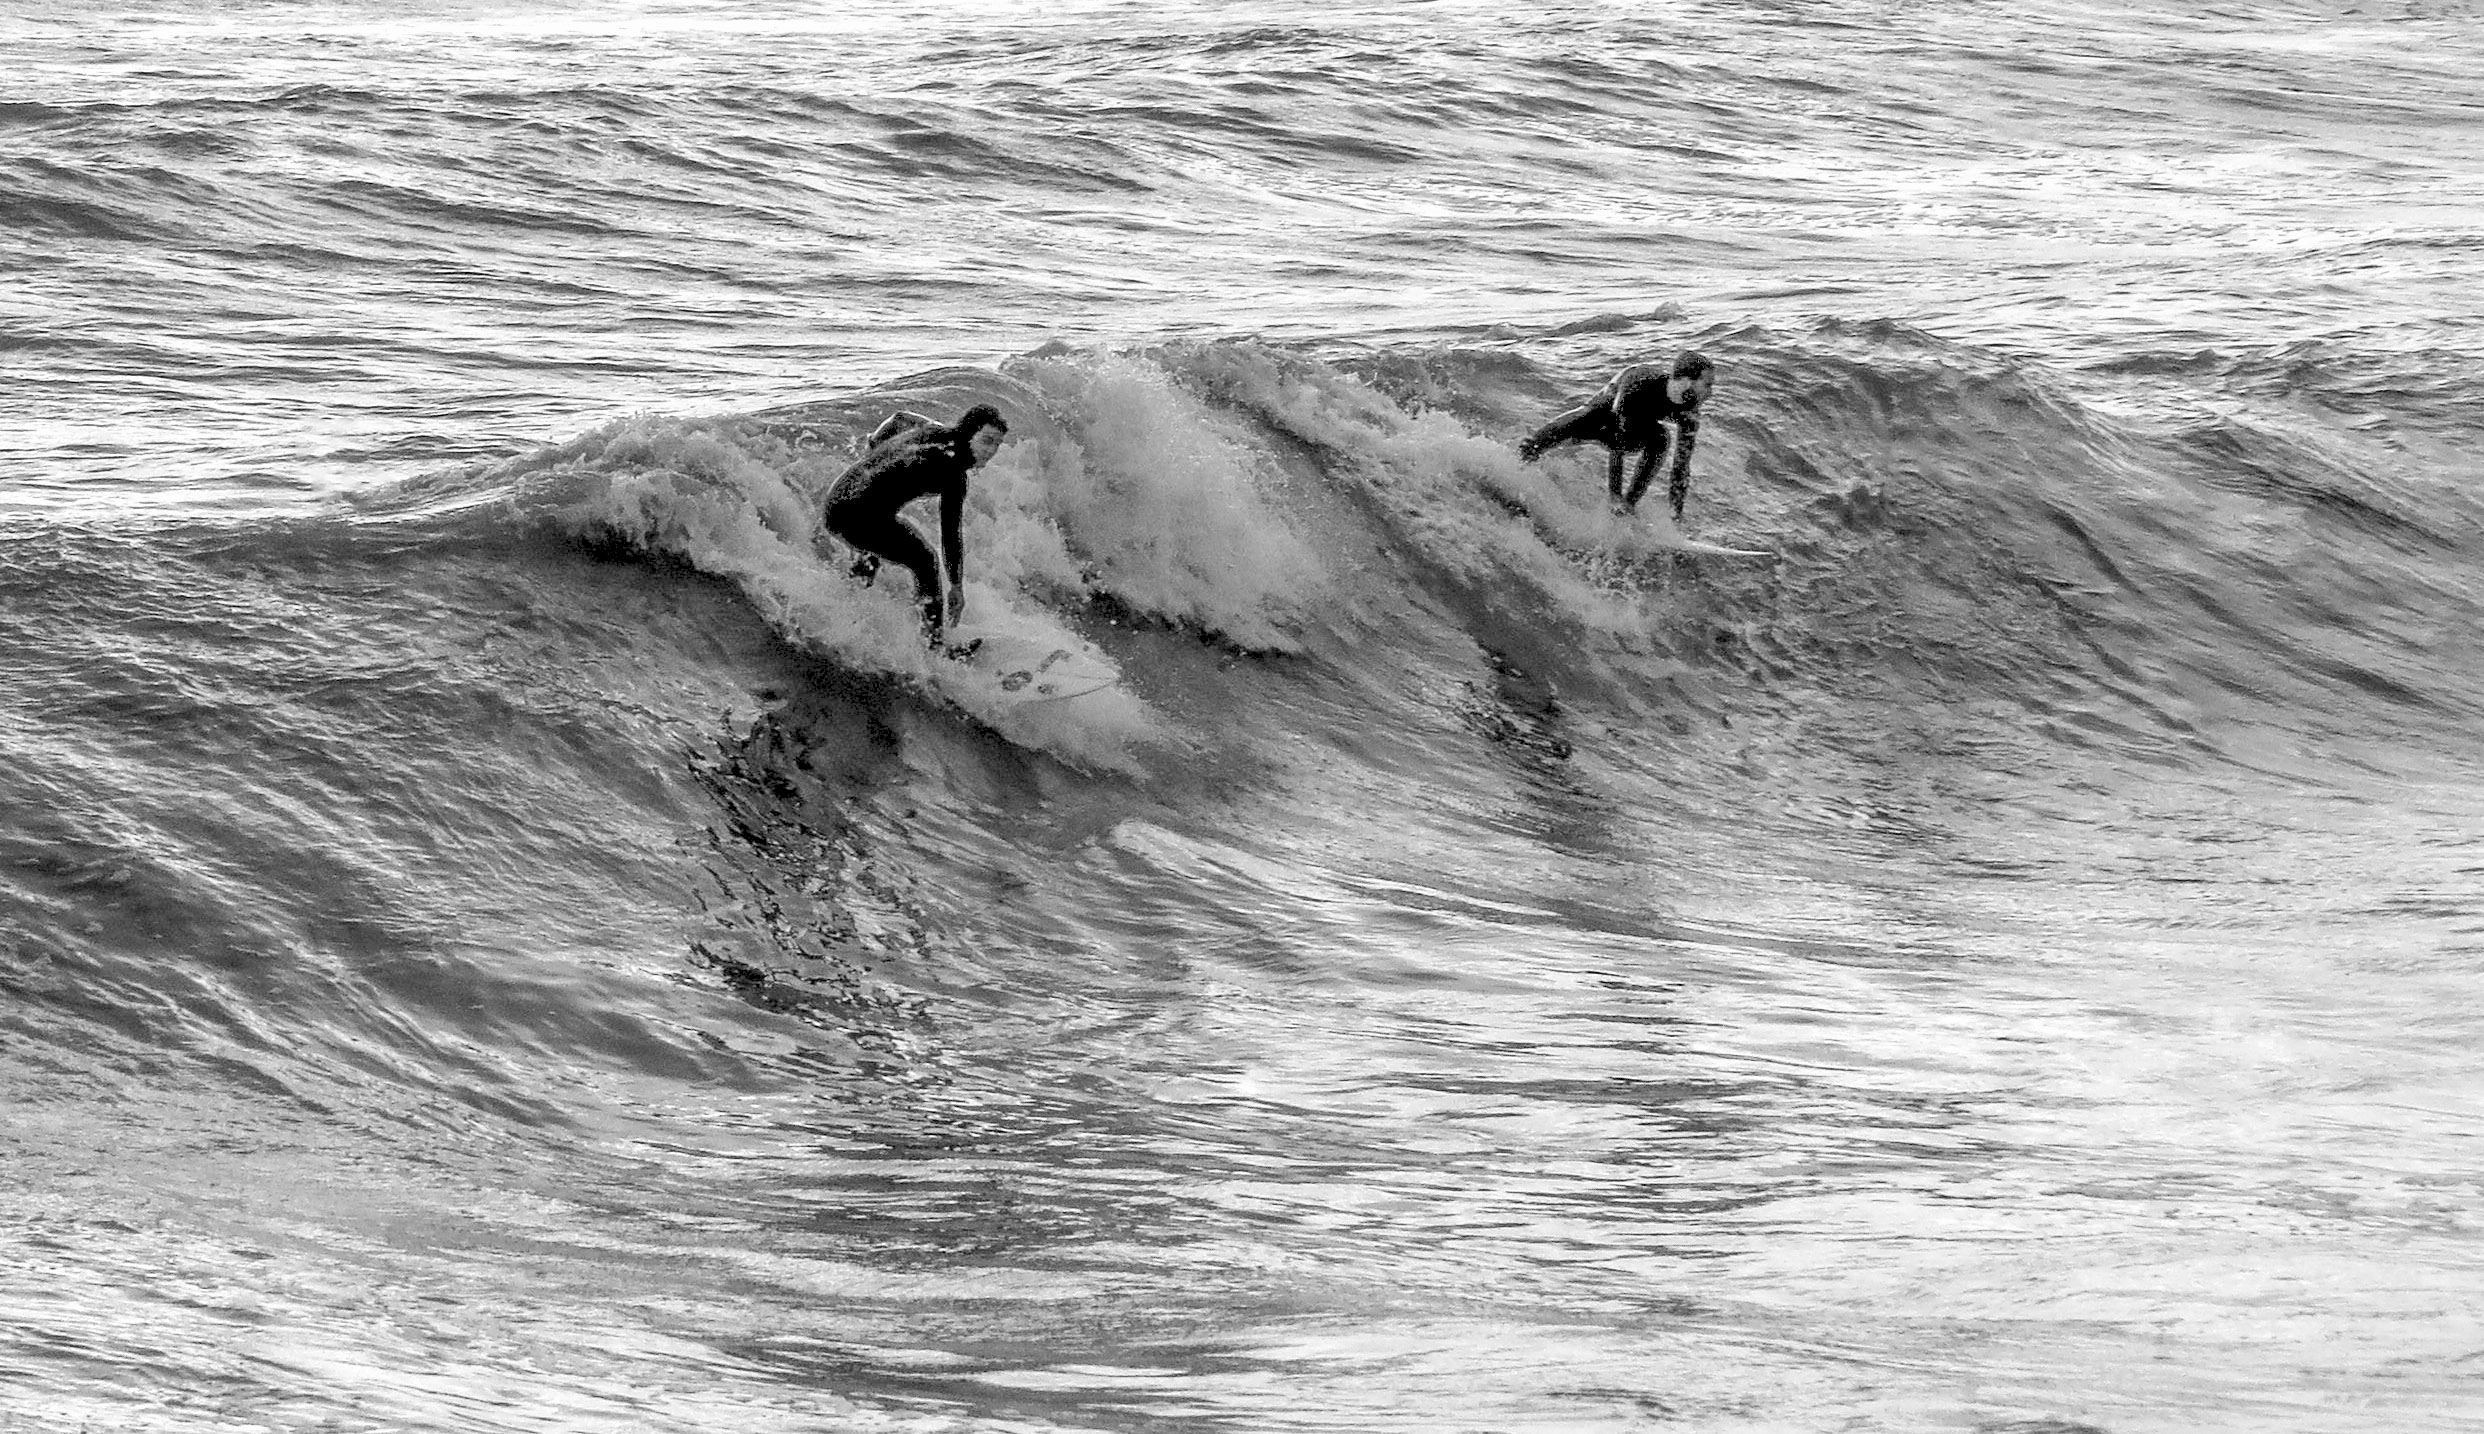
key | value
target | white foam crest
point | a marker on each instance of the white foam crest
(670, 485)
(1170, 508)
(1466, 500)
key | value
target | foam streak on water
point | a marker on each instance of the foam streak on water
(501, 930)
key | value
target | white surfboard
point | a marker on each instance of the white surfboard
(1025, 670)
(1658, 533)
(1712, 550)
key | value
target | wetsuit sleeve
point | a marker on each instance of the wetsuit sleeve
(952, 536)
(1686, 433)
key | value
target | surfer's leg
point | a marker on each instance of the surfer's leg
(1591, 423)
(907, 548)
(859, 532)
(1639, 478)
(1679, 491)
(888, 536)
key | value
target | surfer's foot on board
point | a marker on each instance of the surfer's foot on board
(960, 651)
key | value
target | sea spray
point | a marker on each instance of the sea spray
(1176, 514)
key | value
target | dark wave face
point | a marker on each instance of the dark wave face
(1973, 928)
(553, 891)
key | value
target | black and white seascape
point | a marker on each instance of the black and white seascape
(499, 931)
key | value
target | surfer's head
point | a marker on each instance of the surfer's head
(1693, 378)
(981, 431)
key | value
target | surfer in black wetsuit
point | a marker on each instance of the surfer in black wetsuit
(1629, 416)
(908, 457)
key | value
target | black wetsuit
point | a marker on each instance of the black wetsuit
(1629, 417)
(919, 459)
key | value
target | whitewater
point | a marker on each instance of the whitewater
(500, 930)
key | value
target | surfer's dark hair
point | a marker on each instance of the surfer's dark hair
(978, 418)
(1692, 364)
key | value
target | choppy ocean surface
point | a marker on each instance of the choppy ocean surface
(498, 932)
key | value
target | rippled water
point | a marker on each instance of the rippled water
(495, 933)
(283, 246)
